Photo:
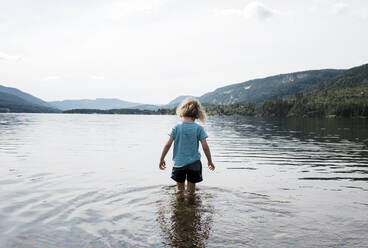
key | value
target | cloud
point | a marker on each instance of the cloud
(362, 14)
(119, 9)
(51, 78)
(340, 8)
(313, 9)
(254, 10)
(94, 77)
(4, 56)
(258, 10)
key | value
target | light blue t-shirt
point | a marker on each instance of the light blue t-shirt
(186, 142)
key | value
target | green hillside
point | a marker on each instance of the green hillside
(260, 90)
(25, 96)
(343, 96)
(352, 77)
(10, 103)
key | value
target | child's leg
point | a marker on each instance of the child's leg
(190, 187)
(194, 175)
(180, 186)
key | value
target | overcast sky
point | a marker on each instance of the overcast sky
(151, 51)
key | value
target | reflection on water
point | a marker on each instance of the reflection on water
(322, 149)
(12, 126)
(93, 181)
(184, 221)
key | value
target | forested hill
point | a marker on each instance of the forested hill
(25, 96)
(279, 86)
(344, 96)
(352, 77)
(14, 100)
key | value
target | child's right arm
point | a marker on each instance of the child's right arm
(162, 164)
(207, 152)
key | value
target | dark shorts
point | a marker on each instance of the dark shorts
(192, 172)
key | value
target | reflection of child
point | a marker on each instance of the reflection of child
(186, 137)
(183, 221)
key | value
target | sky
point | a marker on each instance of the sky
(151, 51)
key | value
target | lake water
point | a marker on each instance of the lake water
(93, 181)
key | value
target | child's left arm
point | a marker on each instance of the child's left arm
(207, 152)
(167, 146)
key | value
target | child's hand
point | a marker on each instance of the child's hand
(211, 166)
(162, 165)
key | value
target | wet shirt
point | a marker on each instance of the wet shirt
(186, 143)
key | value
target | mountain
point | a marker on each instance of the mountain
(179, 99)
(175, 102)
(25, 96)
(171, 105)
(150, 107)
(260, 90)
(353, 77)
(345, 95)
(99, 103)
(14, 100)
(107, 103)
(6, 98)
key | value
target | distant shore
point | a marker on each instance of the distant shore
(279, 108)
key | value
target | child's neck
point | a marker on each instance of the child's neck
(188, 119)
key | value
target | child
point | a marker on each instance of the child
(186, 137)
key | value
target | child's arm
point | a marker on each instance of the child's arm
(167, 146)
(207, 152)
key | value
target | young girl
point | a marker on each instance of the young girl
(186, 137)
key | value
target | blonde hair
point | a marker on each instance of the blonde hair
(191, 107)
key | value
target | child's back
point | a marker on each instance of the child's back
(186, 142)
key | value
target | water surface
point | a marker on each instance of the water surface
(93, 181)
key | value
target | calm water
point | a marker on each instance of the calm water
(93, 181)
